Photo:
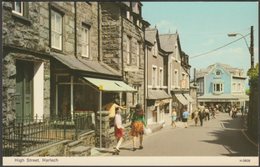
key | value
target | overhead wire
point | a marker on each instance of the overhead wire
(208, 52)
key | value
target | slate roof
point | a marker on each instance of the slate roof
(168, 42)
(150, 34)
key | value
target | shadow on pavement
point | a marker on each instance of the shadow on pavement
(232, 139)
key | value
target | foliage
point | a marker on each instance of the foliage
(247, 91)
(253, 73)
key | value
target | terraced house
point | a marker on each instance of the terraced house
(54, 79)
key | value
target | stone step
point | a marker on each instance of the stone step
(74, 143)
(80, 151)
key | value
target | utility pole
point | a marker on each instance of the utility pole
(252, 47)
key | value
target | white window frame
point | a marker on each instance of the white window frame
(85, 42)
(154, 76)
(128, 16)
(176, 78)
(128, 50)
(161, 77)
(221, 88)
(56, 31)
(15, 9)
(138, 55)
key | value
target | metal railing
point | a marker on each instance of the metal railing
(25, 135)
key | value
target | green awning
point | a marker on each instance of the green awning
(110, 85)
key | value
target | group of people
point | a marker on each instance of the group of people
(137, 127)
(185, 116)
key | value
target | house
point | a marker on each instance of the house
(178, 72)
(221, 84)
(122, 45)
(53, 73)
(158, 100)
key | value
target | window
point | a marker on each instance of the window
(128, 16)
(161, 77)
(85, 41)
(176, 78)
(138, 54)
(217, 88)
(234, 87)
(56, 30)
(218, 73)
(136, 95)
(128, 50)
(154, 76)
(183, 81)
(18, 8)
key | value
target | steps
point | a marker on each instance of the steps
(76, 148)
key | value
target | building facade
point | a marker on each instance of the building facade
(221, 84)
(178, 73)
(123, 45)
(158, 100)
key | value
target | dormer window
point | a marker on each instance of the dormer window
(218, 73)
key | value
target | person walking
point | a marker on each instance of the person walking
(119, 129)
(207, 113)
(201, 116)
(137, 126)
(196, 117)
(185, 116)
(174, 117)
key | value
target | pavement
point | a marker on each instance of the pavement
(217, 137)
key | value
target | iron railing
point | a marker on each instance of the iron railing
(25, 135)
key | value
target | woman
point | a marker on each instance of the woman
(119, 129)
(174, 117)
(138, 126)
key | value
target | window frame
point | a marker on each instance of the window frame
(85, 44)
(60, 34)
(154, 76)
(21, 7)
(128, 50)
(160, 77)
(216, 86)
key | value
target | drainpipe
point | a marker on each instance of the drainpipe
(98, 20)
(145, 76)
(122, 40)
(75, 25)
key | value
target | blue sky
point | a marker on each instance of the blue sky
(203, 26)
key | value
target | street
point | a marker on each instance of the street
(222, 136)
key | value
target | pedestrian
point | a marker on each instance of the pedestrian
(214, 113)
(207, 113)
(137, 126)
(201, 116)
(185, 116)
(196, 117)
(119, 129)
(242, 110)
(174, 117)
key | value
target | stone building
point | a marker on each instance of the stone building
(158, 100)
(123, 45)
(178, 72)
(53, 69)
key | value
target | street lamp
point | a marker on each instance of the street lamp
(251, 48)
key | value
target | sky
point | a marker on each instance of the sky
(203, 27)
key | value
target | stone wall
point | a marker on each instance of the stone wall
(23, 39)
(115, 30)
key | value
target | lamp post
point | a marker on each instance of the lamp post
(251, 48)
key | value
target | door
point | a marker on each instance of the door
(24, 91)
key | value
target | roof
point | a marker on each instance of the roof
(85, 65)
(150, 34)
(168, 42)
(157, 94)
(234, 71)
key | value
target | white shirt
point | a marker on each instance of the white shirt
(118, 121)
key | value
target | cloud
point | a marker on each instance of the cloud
(209, 42)
(164, 26)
